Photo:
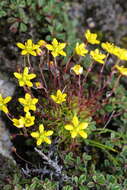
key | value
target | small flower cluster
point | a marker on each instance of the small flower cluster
(75, 127)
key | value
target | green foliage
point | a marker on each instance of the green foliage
(49, 17)
(95, 163)
(30, 184)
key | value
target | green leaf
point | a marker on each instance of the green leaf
(18, 187)
(83, 188)
(46, 9)
(7, 187)
(29, 2)
(67, 187)
(21, 3)
(40, 2)
(111, 179)
(75, 179)
(82, 179)
(48, 37)
(59, 27)
(100, 179)
(2, 13)
(100, 145)
(91, 184)
(23, 27)
(60, 36)
(51, 28)
(116, 187)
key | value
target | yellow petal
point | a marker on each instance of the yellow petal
(49, 47)
(68, 127)
(7, 99)
(59, 93)
(35, 134)
(24, 52)
(47, 140)
(27, 96)
(64, 95)
(32, 107)
(26, 109)
(32, 53)
(75, 121)
(55, 42)
(34, 101)
(53, 97)
(18, 75)
(29, 124)
(49, 133)
(21, 100)
(21, 83)
(4, 109)
(55, 54)
(29, 42)
(62, 46)
(20, 45)
(28, 83)
(73, 134)
(31, 76)
(41, 128)
(19, 123)
(41, 43)
(83, 125)
(83, 134)
(28, 114)
(26, 70)
(39, 141)
(35, 47)
(62, 53)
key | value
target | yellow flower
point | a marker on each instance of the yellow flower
(19, 123)
(3, 102)
(91, 37)
(121, 53)
(98, 56)
(28, 48)
(28, 102)
(109, 47)
(41, 43)
(60, 97)
(122, 70)
(77, 69)
(38, 84)
(41, 135)
(80, 49)
(56, 48)
(24, 78)
(26, 121)
(77, 128)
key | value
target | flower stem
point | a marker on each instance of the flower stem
(28, 59)
(88, 71)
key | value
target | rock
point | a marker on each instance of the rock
(6, 89)
(5, 142)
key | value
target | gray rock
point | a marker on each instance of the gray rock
(5, 142)
(6, 89)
